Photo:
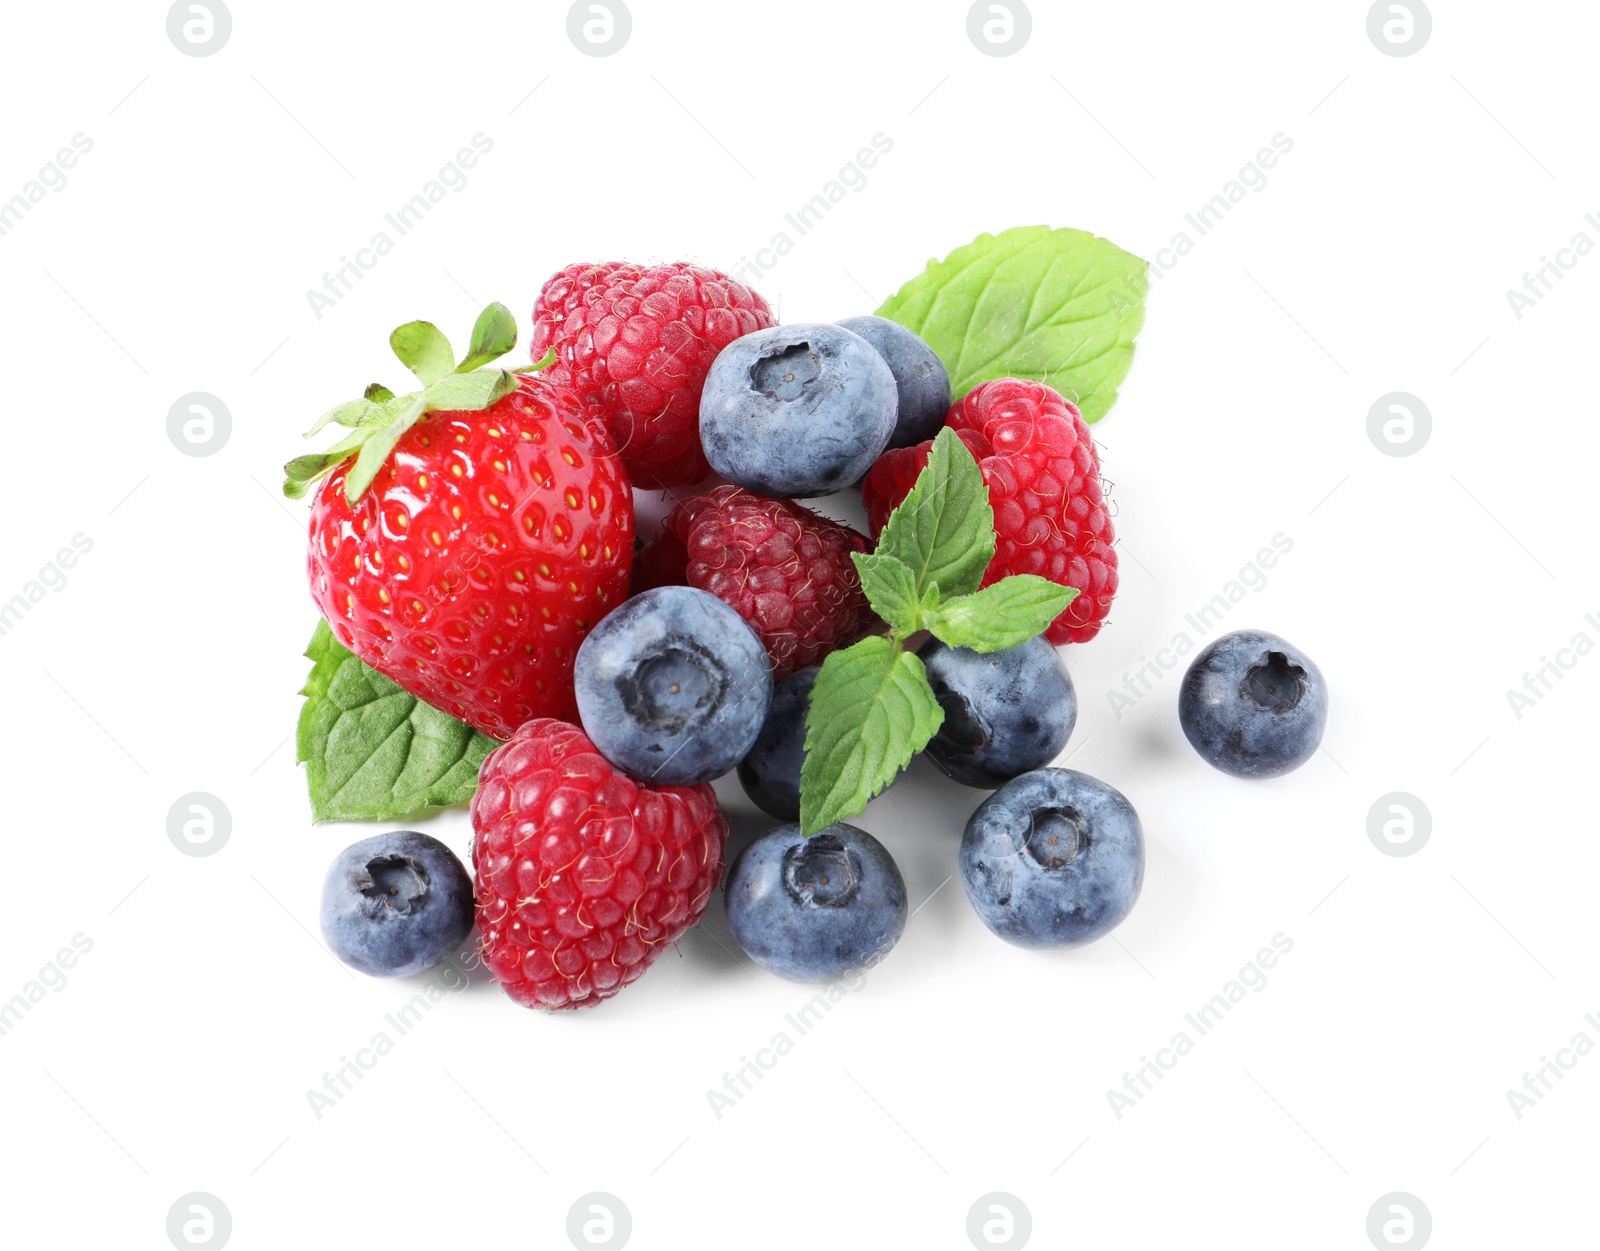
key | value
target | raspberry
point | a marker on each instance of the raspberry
(563, 293)
(1043, 474)
(583, 875)
(636, 343)
(783, 568)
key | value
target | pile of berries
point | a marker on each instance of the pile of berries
(488, 565)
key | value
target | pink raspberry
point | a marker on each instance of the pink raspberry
(1043, 474)
(583, 875)
(783, 568)
(636, 343)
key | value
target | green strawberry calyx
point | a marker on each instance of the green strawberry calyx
(380, 417)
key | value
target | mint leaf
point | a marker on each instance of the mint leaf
(871, 711)
(423, 349)
(1059, 306)
(372, 752)
(943, 531)
(891, 589)
(1006, 614)
(493, 336)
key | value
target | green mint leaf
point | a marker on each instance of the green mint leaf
(891, 589)
(493, 336)
(943, 531)
(377, 446)
(1005, 614)
(469, 392)
(871, 711)
(373, 752)
(1059, 306)
(423, 349)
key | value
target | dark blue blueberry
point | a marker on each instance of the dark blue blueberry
(1052, 859)
(1253, 705)
(396, 904)
(673, 686)
(770, 774)
(814, 909)
(920, 377)
(796, 411)
(1005, 712)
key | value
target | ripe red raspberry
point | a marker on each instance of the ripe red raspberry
(783, 568)
(583, 875)
(1043, 474)
(563, 293)
(636, 343)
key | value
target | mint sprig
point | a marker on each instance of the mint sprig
(1058, 306)
(372, 752)
(943, 531)
(872, 708)
(379, 418)
(1005, 614)
(878, 711)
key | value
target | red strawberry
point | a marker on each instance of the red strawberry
(636, 343)
(480, 532)
(1043, 474)
(783, 568)
(584, 875)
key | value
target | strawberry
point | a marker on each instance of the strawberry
(466, 537)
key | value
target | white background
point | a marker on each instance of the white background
(1377, 1058)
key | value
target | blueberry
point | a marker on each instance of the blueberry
(795, 411)
(813, 909)
(396, 904)
(770, 773)
(1253, 705)
(920, 377)
(1005, 712)
(673, 686)
(1052, 859)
